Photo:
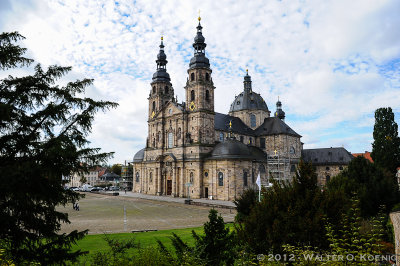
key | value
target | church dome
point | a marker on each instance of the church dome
(231, 149)
(139, 156)
(248, 99)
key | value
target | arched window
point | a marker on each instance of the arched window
(192, 77)
(191, 177)
(137, 177)
(178, 135)
(207, 76)
(154, 106)
(292, 150)
(221, 137)
(166, 90)
(192, 96)
(151, 177)
(220, 179)
(154, 142)
(250, 141)
(252, 120)
(241, 139)
(245, 179)
(327, 178)
(170, 140)
(207, 95)
(154, 89)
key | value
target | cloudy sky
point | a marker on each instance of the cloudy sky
(332, 63)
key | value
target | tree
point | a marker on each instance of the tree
(386, 146)
(245, 203)
(289, 213)
(43, 129)
(373, 186)
(216, 246)
(116, 169)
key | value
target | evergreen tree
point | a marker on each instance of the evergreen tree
(386, 146)
(43, 129)
(290, 213)
(216, 246)
(373, 186)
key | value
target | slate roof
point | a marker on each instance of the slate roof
(274, 126)
(248, 100)
(234, 149)
(221, 122)
(325, 156)
(139, 156)
(109, 177)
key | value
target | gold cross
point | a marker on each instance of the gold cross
(275, 151)
(230, 124)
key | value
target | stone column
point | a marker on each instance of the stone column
(182, 183)
(159, 177)
(174, 180)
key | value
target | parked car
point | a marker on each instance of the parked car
(94, 189)
(76, 189)
(86, 187)
(114, 188)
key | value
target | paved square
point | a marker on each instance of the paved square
(105, 214)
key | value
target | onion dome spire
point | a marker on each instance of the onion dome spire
(161, 72)
(279, 112)
(247, 82)
(199, 59)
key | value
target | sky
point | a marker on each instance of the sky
(332, 63)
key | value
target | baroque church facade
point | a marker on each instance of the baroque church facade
(193, 151)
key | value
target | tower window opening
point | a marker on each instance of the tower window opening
(166, 89)
(154, 89)
(252, 120)
(154, 106)
(221, 137)
(220, 179)
(241, 139)
(192, 95)
(207, 95)
(245, 179)
(170, 140)
(262, 143)
(192, 77)
(207, 76)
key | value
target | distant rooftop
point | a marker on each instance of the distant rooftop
(366, 155)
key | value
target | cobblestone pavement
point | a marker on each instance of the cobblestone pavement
(104, 213)
(172, 199)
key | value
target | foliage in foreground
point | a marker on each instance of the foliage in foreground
(373, 186)
(290, 213)
(43, 139)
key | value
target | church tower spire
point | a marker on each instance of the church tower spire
(161, 91)
(247, 82)
(199, 91)
(279, 112)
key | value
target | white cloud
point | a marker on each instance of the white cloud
(331, 62)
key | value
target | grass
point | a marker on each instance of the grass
(94, 243)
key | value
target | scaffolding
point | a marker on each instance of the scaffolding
(279, 168)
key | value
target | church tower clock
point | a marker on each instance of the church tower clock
(200, 93)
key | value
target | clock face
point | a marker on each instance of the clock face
(192, 106)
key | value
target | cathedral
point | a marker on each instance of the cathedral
(193, 151)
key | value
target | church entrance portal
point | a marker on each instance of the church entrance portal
(169, 187)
